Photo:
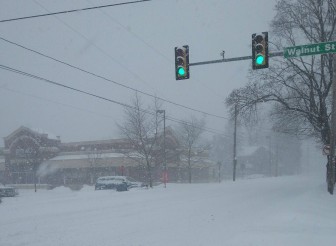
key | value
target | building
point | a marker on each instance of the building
(30, 156)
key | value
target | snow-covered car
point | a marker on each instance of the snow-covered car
(119, 183)
(7, 191)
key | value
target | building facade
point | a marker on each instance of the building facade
(30, 157)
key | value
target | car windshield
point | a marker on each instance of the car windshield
(106, 179)
(131, 179)
(167, 122)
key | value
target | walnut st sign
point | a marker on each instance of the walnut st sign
(310, 49)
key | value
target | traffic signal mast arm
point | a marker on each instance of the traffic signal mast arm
(278, 53)
(260, 56)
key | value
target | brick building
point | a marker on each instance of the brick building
(29, 156)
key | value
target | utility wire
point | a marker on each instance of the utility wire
(126, 67)
(109, 80)
(129, 31)
(97, 96)
(54, 102)
(148, 45)
(94, 112)
(104, 52)
(73, 10)
(62, 85)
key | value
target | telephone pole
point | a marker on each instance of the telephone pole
(235, 144)
(165, 171)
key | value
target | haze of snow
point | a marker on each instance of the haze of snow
(294, 210)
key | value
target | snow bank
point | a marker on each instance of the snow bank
(269, 211)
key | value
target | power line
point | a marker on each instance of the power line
(73, 10)
(148, 45)
(109, 80)
(94, 45)
(131, 32)
(126, 67)
(94, 112)
(13, 70)
(62, 85)
(54, 102)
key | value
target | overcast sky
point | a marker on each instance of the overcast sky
(130, 44)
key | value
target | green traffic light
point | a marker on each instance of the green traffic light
(260, 59)
(181, 71)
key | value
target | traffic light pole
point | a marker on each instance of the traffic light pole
(279, 53)
(331, 164)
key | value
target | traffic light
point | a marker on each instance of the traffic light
(182, 62)
(260, 50)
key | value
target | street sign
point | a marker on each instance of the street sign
(310, 49)
(326, 149)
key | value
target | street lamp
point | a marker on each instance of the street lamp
(165, 175)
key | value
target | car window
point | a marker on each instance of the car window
(131, 179)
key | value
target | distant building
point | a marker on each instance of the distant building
(255, 160)
(30, 156)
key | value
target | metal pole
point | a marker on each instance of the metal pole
(270, 156)
(276, 160)
(332, 130)
(241, 58)
(219, 171)
(165, 174)
(235, 144)
(164, 149)
(35, 176)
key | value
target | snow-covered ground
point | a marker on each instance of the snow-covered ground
(294, 210)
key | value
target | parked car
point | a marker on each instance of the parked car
(119, 183)
(7, 191)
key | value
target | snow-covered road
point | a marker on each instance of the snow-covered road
(280, 211)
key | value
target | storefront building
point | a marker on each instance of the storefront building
(31, 157)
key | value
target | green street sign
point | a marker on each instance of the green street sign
(310, 49)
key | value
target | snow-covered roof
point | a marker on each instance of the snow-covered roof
(86, 156)
(35, 131)
(249, 150)
(94, 142)
(42, 131)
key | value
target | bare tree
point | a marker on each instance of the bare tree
(189, 135)
(140, 128)
(298, 88)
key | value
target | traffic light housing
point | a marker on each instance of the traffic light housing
(260, 50)
(182, 62)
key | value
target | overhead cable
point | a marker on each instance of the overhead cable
(73, 10)
(97, 96)
(110, 80)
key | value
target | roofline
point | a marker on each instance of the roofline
(93, 142)
(31, 131)
(19, 129)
